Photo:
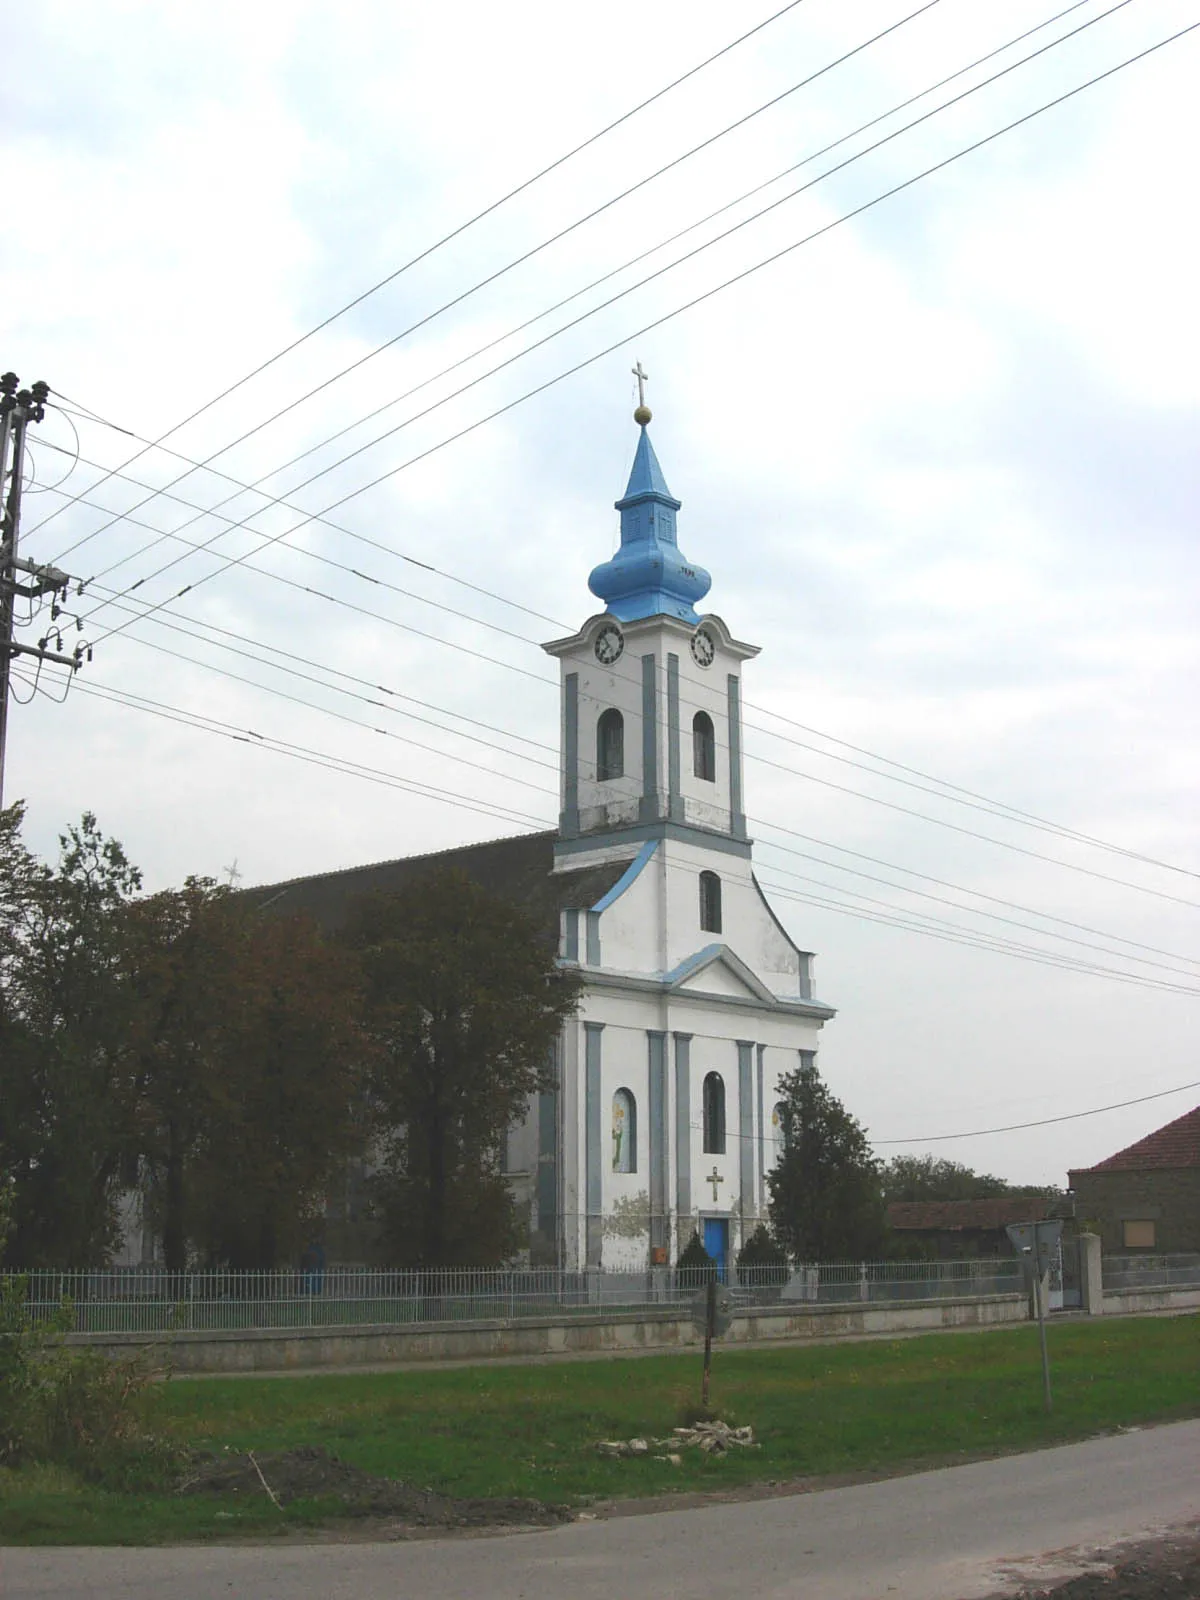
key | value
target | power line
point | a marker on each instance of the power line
(659, 272)
(482, 349)
(267, 742)
(999, 807)
(349, 677)
(979, 894)
(164, 493)
(544, 789)
(527, 256)
(982, 941)
(356, 722)
(966, 938)
(547, 311)
(996, 134)
(837, 866)
(1044, 1122)
(959, 795)
(151, 612)
(972, 911)
(463, 227)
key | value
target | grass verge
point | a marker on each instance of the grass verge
(531, 1431)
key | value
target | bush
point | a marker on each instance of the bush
(74, 1408)
(695, 1266)
(762, 1262)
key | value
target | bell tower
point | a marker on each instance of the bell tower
(651, 735)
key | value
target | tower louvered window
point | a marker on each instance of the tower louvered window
(704, 747)
(610, 746)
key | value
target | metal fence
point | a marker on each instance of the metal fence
(151, 1300)
(1152, 1271)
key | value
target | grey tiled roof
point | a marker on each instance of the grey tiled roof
(518, 870)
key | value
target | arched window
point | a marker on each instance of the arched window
(624, 1132)
(610, 746)
(710, 902)
(714, 1114)
(704, 747)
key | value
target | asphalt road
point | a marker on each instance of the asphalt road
(958, 1534)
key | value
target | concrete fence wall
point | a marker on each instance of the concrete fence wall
(648, 1328)
(617, 1329)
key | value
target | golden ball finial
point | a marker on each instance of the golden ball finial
(642, 415)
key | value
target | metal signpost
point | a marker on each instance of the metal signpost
(712, 1314)
(1037, 1245)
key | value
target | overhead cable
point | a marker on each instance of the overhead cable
(455, 233)
(650, 278)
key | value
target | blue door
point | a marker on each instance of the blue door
(716, 1243)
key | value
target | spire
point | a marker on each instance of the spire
(648, 576)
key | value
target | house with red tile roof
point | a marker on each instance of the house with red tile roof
(1147, 1196)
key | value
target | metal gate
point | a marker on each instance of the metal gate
(1065, 1289)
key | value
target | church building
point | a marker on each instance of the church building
(695, 999)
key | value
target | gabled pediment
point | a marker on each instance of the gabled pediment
(718, 970)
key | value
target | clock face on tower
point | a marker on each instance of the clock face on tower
(703, 649)
(610, 641)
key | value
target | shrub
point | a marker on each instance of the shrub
(762, 1262)
(695, 1266)
(75, 1408)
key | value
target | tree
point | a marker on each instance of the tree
(288, 1083)
(695, 1266)
(64, 1020)
(826, 1202)
(463, 1003)
(248, 1066)
(762, 1261)
(933, 1178)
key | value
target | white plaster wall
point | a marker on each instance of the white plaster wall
(600, 688)
(655, 924)
(715, 1029)
(615, 802)
(705, 689)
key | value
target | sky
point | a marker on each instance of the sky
(939, 457)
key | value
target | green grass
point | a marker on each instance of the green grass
(531, 1430)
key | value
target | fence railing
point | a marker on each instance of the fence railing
(151, 1300)
(1152, 1271)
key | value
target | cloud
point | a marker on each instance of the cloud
(939, 461)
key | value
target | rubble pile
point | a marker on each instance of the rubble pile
(714, 1438)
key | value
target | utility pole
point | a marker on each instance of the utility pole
(18, 408)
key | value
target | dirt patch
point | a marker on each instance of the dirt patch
(310, 1473)
(1167, 1568)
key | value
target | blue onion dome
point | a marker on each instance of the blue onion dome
(648, 576)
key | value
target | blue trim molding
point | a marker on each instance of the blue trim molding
(737, 817)
(568, 824)
(656, 1044)
(631, 872)
(762, 1129)
(683, 1129)
(636, 833)
(674, 794)
(747, 1200)
(593, 1146)
(648, 808)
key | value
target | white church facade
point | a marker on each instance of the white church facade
(695, 1000)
